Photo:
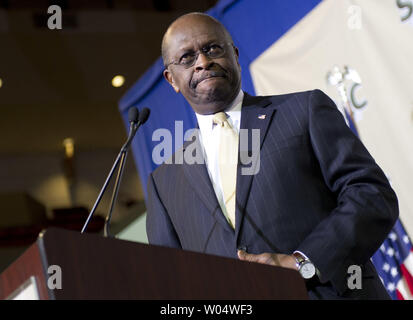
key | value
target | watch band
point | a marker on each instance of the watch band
(300, 258)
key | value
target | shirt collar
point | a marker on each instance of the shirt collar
(233, 111)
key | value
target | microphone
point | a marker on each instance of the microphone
(144, 115)
(133, 114)
(133, 117)
(136, 119)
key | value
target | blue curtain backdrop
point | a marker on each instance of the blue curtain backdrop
(254, 25)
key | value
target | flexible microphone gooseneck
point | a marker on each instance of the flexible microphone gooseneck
(136, 120)
(143, 116)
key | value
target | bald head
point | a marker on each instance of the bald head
(187, 21)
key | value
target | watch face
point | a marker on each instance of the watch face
(307, 270)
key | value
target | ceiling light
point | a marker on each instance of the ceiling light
(118, 81)
(69, 146)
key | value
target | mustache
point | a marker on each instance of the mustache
(206, 75)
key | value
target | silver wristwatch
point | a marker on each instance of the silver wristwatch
(305, 267)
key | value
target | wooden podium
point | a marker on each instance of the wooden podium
(94, 267)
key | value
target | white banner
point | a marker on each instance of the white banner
(374, 38)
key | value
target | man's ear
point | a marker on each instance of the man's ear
(236, 55)
(236, 51)
(168, 76)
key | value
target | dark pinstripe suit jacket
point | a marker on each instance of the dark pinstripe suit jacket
(318, 190)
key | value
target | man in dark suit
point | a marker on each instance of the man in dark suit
(316, 200)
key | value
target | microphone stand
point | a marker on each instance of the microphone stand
(124, 154)
(121, 157)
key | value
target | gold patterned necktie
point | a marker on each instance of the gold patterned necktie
(228, 160)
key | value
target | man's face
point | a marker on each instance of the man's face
(210, 84)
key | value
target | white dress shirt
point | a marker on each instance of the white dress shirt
(209, 139)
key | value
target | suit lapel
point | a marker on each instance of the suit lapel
(198, 177)
(255, 114)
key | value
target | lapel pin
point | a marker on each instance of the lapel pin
(261, 116)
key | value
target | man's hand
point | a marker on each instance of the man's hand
(273, 259)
